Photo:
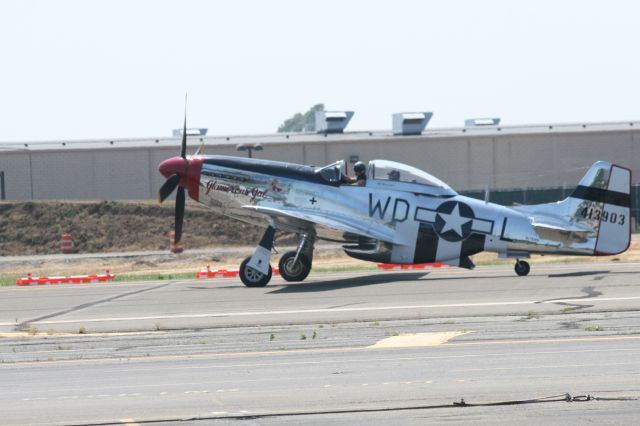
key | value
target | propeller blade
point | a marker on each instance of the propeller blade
(183, 149)
(168, 186)
(179, 213)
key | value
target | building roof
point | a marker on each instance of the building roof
(310, 137)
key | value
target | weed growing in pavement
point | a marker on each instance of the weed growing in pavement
(272, 337)
(33, 330)
(82, 330)
(391, 333)
(374, 324)
(593, 328)
(314, 335)
(303, 336)
(533, 315)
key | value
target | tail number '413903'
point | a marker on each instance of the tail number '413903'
(603, 216)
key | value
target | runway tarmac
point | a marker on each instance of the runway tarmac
(350, 348)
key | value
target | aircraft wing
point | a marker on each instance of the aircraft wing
(309, 219)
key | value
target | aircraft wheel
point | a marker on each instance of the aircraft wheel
(252, 278)
(522, 268)
(297, 271)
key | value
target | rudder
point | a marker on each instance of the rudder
(605, 204)
(614, 234)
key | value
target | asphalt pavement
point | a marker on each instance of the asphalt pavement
(349, 348)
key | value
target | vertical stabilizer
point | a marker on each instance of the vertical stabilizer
(602, 200)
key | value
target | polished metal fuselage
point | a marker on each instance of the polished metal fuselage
(411, 217)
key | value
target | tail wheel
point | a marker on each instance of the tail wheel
(292, 269)
(252, 278)
(522, 268)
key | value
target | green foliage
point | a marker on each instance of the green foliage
(301, 122)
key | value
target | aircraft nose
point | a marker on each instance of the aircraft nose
(172, 166)
(189, 171)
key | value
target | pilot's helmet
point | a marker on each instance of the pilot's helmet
(394, 175)
(359, 167)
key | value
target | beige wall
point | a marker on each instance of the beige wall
(465, 162)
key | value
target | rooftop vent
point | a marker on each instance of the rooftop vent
(191, 132)
(410, 123)
(332, 121)
(479, 122)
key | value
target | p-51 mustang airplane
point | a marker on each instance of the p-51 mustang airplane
(401, 215)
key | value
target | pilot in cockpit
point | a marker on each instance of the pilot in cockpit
(360, 178)
(394, 175)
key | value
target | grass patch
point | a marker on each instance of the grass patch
(9, 280)
(155, 276)
(345, 268)
(593, 328)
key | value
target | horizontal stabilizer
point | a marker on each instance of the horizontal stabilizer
(553, 224)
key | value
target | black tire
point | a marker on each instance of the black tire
(522, 268)
(252, 278)
(294, 272)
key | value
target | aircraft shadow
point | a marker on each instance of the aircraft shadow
(305, 287)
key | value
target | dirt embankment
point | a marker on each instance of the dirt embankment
(28, 228)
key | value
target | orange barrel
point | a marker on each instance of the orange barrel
(66, 243)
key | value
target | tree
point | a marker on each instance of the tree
(302, 122)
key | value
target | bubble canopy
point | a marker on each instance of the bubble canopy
(391, 171)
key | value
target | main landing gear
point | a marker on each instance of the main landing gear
(522, 268)
(296, 265)
(255, 271)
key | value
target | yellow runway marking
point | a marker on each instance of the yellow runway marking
(557, 340)
(417, 340)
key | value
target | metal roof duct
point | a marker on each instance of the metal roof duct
(191, 132)
(478, 122)
(410, 123)
(332, 121)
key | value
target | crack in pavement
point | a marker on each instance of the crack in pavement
(591, 293)
(24, 325)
